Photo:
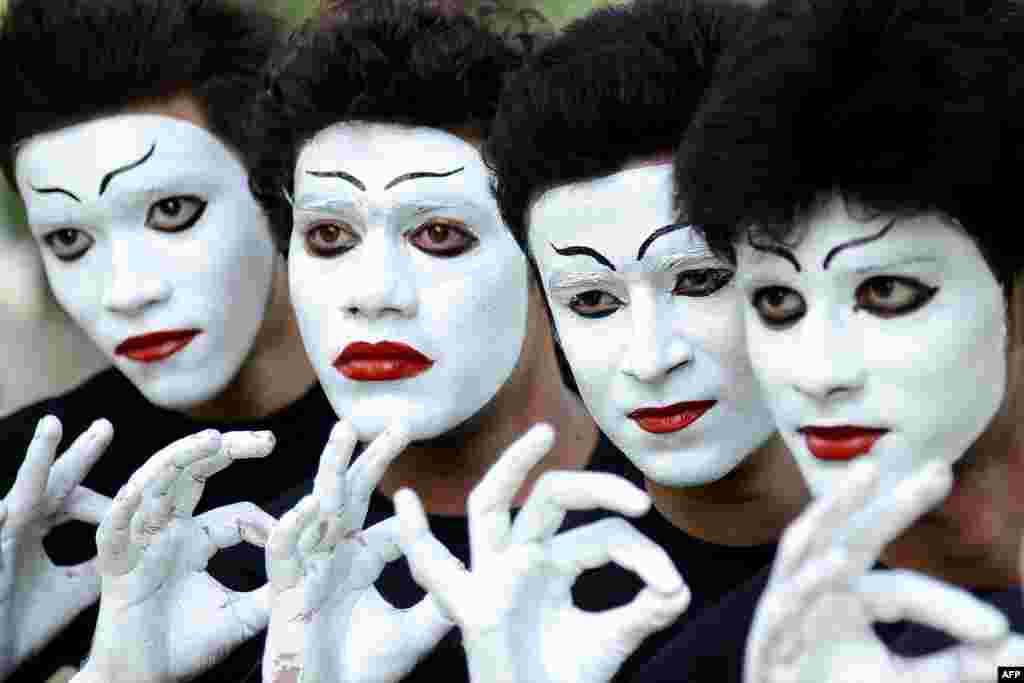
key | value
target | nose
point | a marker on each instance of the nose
(830, 363)
(378, 284)
(130, 291)
(655, 351)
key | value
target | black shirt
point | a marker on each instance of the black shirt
(140, 430)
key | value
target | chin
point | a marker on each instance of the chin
(685, 469)
(178, 393)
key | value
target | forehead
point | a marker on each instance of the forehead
(614, 213)
(377, 153)
(84, 154)
(832, 237)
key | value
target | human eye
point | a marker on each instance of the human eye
(68, 244)
(888, 296)
(778, 306)
(175, 214)
(594, 304)
(442, 238)
(702, 282)
(327, 239)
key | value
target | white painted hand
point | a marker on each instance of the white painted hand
(162, 617)
(813, 624)
(328, 621)
(514, 606)
(38, 598)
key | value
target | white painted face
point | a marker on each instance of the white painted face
(411, 294)
(154, 245)
(649, 321)
(887, 335)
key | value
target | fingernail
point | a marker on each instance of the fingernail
(44, 425)
(265, 435)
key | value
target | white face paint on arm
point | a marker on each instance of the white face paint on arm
(410, 292)
(884, 338)
(651, 324)
(154, 245)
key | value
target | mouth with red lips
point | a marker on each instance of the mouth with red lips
(840, 443)
(668, 419)
(155, 346)
(384, 361)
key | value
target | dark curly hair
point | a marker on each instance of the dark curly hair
(899, 107)
(387, 62)
(618, 84)
(75, 60)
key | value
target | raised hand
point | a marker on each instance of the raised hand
(162, 617)
(38, 598)
(328, 621)
(813, 623)
(514, 606)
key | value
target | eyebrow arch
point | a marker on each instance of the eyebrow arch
(655, 235)
(339, 174)
(858, 242)
(56, 190)
(776, 249)
(135, 164)
(583, 251)
(421, 174)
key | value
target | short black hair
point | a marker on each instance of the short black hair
(898, 107)
(391, 61)
(75, 60)
(620, 83)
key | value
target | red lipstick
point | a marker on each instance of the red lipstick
(153, 347)
(381, 362)
(670, 418)
(840, 443)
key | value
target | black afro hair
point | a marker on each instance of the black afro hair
(899, 107)
(74, 60)
(386, 62)
(618, 84)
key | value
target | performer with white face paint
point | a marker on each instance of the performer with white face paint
(878, 278)
(419, 314)
(649, 317)
(138, 200)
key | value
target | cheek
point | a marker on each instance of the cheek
(79, 286)
(716, 326)
(771, 355)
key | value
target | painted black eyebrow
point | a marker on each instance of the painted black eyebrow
(339, 174)
(56, 190)
(135, 164)
(656, 234)
(583, 251)
(858, 242)
(776, 249)
(421, 174)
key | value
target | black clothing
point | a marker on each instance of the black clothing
(711, 571)
(140, 430)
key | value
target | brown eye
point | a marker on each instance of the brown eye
(888, 296)
(68, 244)
(778, 306)
(330, 239)
(441, 238)
(703, 282)
(175, 214)
(594, 304)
